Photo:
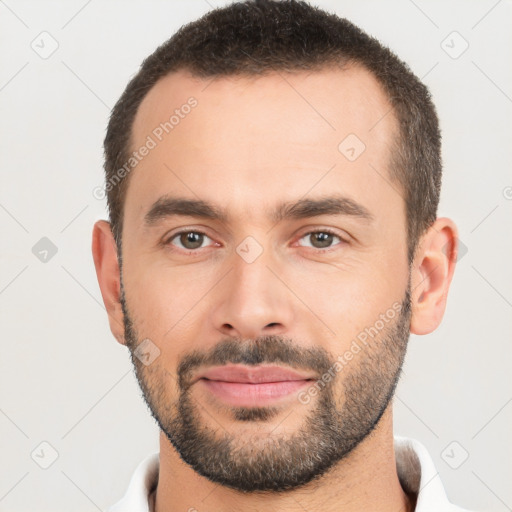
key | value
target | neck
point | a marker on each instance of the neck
(365, 480)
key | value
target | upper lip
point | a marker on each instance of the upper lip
(252, 374)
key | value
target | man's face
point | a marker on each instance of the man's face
(233, 300)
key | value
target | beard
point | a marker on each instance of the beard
(346, 410)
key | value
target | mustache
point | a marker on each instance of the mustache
(269, 349)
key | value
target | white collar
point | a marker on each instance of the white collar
(415, 468)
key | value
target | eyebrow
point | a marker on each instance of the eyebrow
(168, 206)
(331, 205)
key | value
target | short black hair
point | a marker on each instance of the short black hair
(256, 37)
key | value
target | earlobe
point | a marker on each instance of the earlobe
(432, 272)
(104, 252)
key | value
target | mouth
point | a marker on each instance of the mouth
(245, 386)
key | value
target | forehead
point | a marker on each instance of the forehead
(242, 140)
(327, 98)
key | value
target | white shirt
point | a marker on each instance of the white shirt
(415, 469)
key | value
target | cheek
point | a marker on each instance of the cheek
(349, 299)
(164, 304)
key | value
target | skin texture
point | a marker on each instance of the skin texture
(250, 144)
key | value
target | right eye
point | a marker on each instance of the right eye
(188, 240)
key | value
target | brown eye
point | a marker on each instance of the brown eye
(320, 239)
(189, 240)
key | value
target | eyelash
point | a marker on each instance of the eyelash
(192, 251)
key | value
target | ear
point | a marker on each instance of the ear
(104, 252)
(432, 272)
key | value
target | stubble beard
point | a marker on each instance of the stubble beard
(344, 413)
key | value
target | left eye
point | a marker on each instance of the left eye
(189, 240)
(320, 239)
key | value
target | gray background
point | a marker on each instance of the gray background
(65, 381)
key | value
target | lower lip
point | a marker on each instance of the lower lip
(247, 394)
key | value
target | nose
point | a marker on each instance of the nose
(252, 300)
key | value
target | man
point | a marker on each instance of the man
(272, 176)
